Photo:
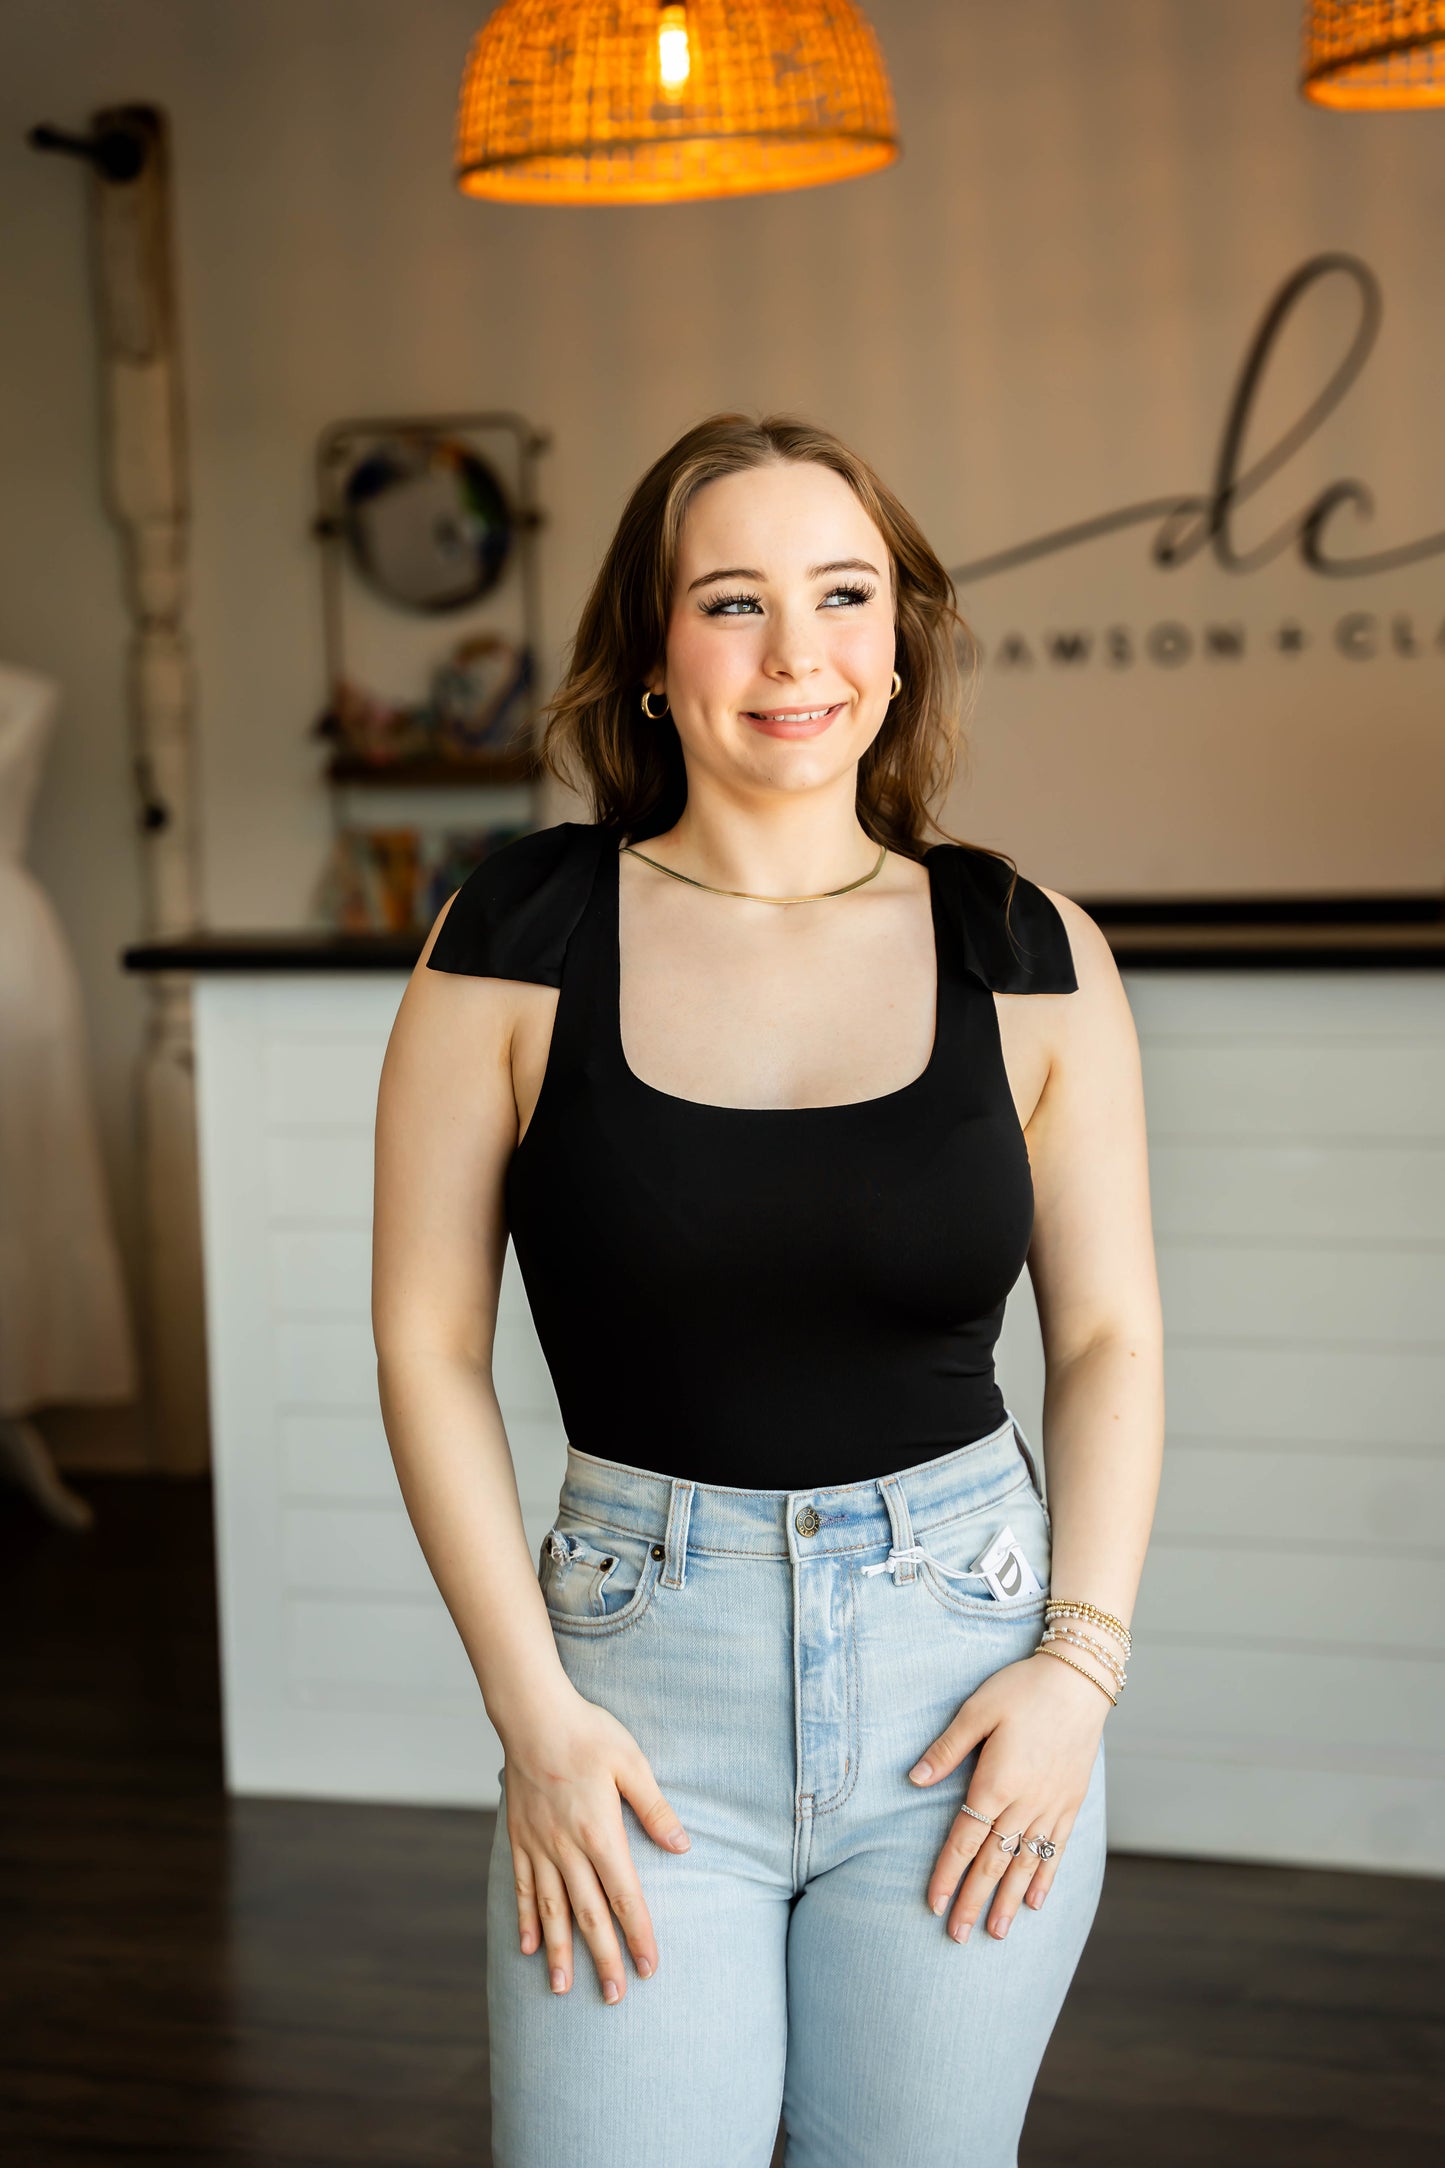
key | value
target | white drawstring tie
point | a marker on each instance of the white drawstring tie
(916, 1551)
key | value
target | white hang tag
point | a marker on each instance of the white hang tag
(1006, 1570)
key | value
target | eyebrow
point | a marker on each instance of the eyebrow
(815, 572)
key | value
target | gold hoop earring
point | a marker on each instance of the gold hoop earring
(647, 695)
(897, 686)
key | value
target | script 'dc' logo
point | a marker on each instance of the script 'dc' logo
(1187, 524)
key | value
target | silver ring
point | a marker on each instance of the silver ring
(1009, 1844)
(1041, 1846)
(976, 1815)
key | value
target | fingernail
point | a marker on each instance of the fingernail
(559, 1978)
(940, 1905)
(644, 1966)
(680, 1840)
(1002, 1929)
(609, 1992)
(960, 1934)
(922, 1771)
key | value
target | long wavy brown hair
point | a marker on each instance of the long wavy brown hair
(595, 737)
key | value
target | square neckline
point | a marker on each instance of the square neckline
(710, 1106)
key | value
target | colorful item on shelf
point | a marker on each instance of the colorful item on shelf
(477, 705)
(478, 695)
(370, 881)
(395, 880)
(379, 732)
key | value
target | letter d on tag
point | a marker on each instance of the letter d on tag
(1006, 1570)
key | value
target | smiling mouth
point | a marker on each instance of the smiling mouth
(790, 715)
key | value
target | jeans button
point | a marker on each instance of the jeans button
(807, 1522)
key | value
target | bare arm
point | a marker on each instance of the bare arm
(446, 1126)
(1095, 1280)
(1036, 1723)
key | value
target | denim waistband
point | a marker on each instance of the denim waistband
(898, 1508)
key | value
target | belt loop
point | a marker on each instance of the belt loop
(1029, 1462)
(679, 1513)
(901, 1522)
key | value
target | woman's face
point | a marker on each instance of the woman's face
(782, 606)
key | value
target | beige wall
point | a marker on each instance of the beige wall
(1036, 317)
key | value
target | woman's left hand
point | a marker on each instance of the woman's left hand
(1040, 1725)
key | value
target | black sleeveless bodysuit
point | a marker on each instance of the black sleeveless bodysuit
(774, 1298)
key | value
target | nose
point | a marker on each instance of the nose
(793, 648)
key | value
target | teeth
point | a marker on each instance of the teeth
(811, 716)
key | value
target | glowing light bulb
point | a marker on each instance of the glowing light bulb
(673, 61)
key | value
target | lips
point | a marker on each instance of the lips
(791, 715)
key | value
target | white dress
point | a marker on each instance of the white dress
(66, 1333)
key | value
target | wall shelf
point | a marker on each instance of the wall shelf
(512, 766)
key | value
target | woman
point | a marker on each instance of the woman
(775, 1109)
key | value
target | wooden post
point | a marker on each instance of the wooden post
(146, 494)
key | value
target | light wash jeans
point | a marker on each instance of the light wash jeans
(781, 1693)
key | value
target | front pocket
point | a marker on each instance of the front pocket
(595, 1579)
(959, 1543)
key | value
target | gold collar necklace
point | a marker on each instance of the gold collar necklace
(859, 883)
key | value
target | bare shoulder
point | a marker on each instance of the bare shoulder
(446, 1124)
(1100, 1010)
(1093, 957)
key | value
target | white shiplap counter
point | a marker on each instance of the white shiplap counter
(1285, 1696)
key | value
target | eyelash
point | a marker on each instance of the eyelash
(721, 603)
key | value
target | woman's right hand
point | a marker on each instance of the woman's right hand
(566, 1776)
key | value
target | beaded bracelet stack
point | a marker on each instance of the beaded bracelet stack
(1088, 1614)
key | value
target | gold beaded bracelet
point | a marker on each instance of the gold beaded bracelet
(1074, 1608)
(1092, 1646)
(1044, 1650)
(1059, 1612)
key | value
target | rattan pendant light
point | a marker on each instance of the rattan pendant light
(1374, 54)
(626, 101)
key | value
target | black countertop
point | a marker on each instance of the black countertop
(1242, 933)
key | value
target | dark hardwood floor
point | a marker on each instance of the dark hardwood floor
(187, 1979)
